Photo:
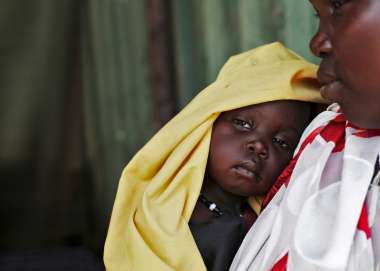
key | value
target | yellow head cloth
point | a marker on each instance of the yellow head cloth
(160, 186)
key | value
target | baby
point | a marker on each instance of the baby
(249, 148)
(182, 200)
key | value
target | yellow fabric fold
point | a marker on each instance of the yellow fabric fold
(255, 203)
(159, 187)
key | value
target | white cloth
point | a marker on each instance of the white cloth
(324, 219)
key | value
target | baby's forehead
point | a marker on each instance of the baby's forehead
(284, 115)
(279, 106)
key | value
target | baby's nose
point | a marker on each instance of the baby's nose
(259, 148)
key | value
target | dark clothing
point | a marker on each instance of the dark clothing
(219, 239)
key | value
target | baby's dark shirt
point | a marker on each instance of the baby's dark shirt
(219, 239)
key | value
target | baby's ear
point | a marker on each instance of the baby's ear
(316, 109)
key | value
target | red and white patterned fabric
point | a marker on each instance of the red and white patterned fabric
(323, 213)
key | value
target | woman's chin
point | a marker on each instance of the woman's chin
(361, 121)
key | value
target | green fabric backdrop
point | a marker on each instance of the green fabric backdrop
(77, 97)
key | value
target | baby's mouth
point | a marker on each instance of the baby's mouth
(247, 171)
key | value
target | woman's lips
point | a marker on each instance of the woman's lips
(331, 85)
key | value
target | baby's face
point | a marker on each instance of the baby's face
(348, 42)
(250, 146)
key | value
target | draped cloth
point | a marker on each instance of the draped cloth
(323, 210)
(160, 186)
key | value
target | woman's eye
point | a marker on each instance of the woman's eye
(280, 142)
(243, 123)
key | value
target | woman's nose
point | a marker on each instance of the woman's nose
(320, 45)
(259, 148)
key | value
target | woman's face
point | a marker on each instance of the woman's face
(348, 42)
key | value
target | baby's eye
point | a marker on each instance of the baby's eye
(243, 123)
(280, 142)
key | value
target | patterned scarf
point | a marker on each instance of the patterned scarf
(322, 211)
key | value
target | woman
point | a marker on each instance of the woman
(323, 212)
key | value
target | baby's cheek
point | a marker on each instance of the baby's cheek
(275, 170)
